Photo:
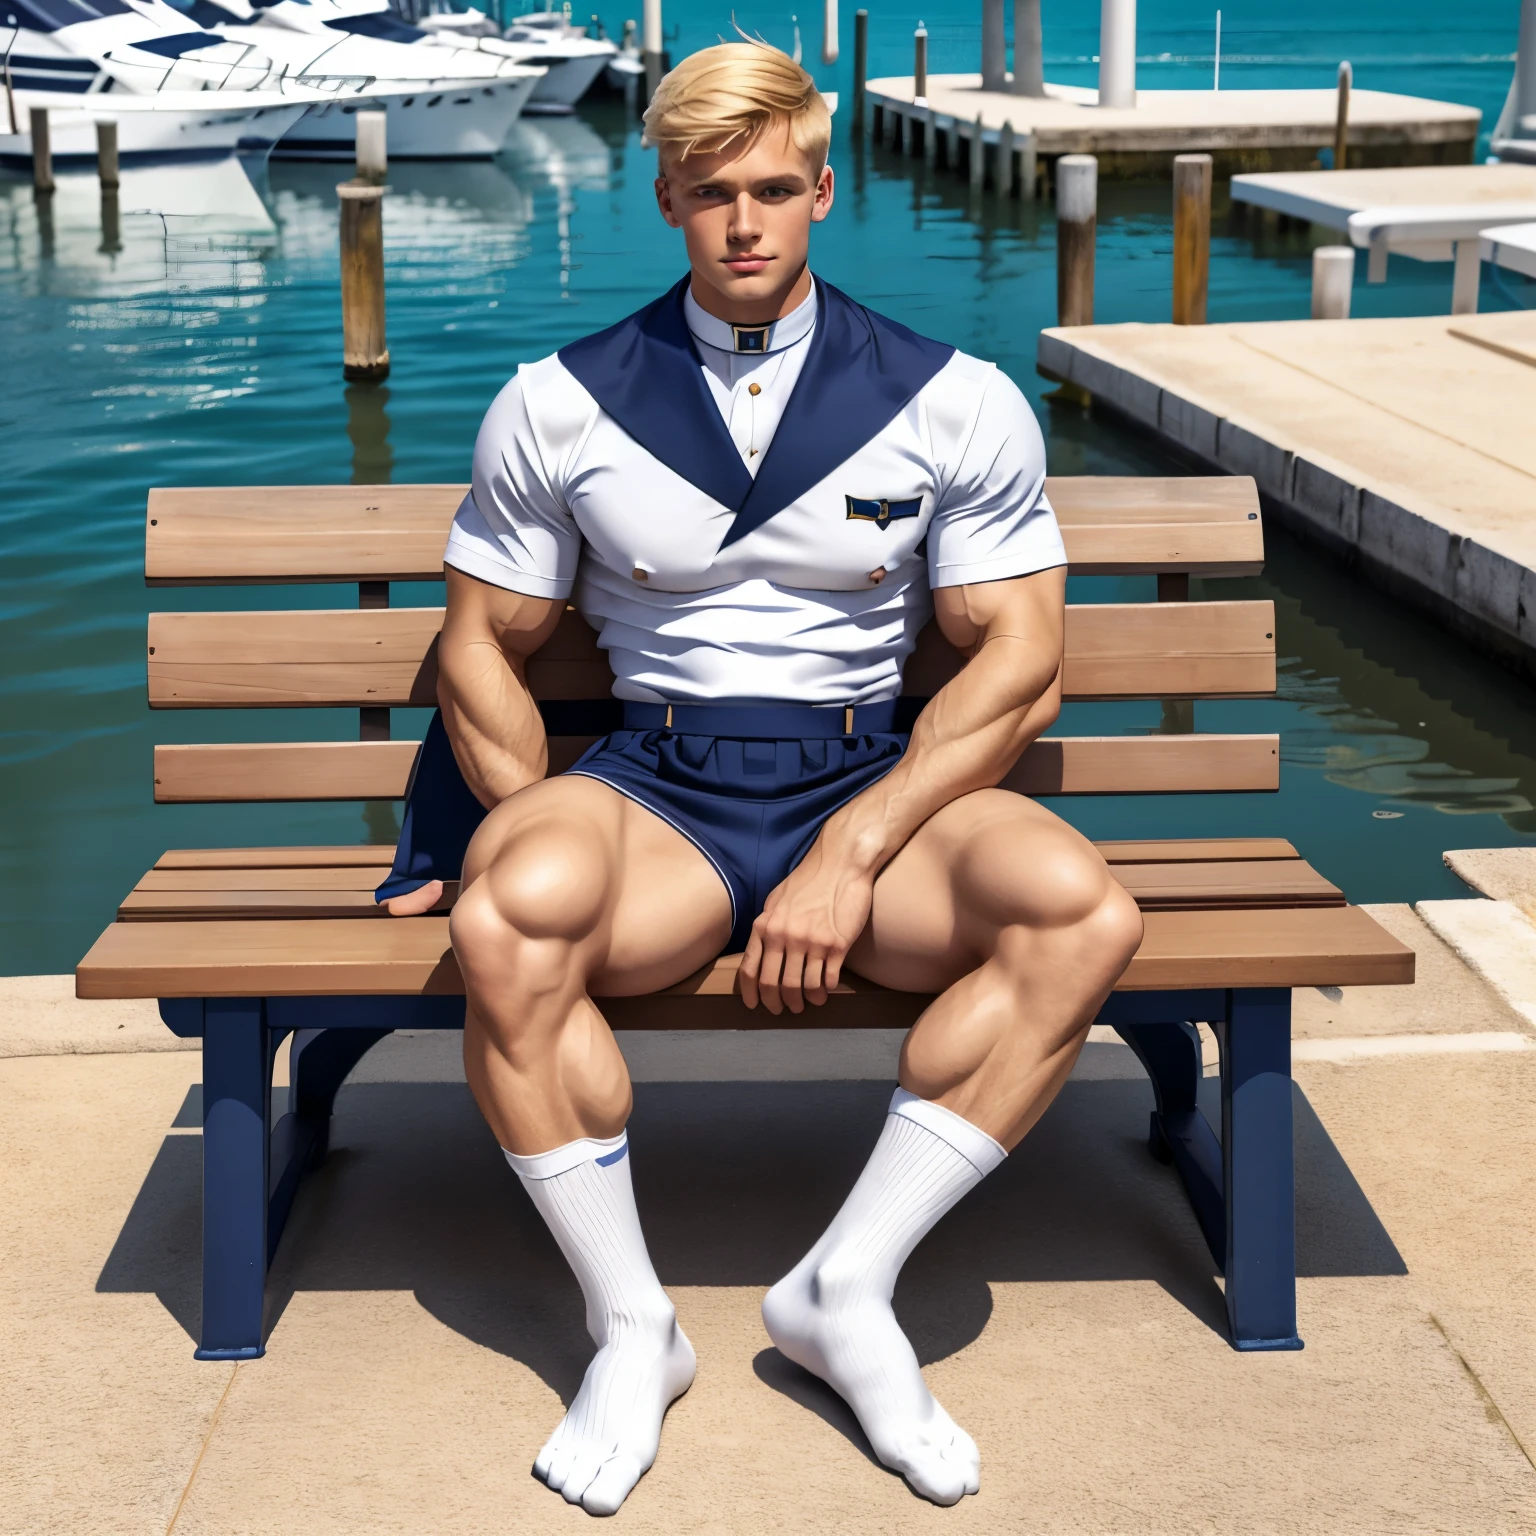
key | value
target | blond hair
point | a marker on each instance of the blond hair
(735, 91)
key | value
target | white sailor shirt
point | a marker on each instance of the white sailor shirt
(819, 604)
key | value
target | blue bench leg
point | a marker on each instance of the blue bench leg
(237, 1090)
(1260, 1178)
(1179, 1132)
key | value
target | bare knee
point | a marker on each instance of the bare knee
(1073, 912)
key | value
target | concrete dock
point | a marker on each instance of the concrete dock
(1241, 130)
(1405, 445)
(424, 1330)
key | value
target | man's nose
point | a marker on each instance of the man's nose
(745, 224)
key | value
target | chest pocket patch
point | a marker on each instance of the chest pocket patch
(881, 512)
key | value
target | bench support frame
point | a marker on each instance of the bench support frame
(1241, 1186)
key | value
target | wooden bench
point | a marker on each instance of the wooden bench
(244, 946)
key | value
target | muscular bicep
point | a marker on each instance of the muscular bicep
(482, 614)
(1029, 608)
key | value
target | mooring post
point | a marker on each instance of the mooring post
(651, 46)
(994, 47)
(930, 138)
(1028, 49)
(1029, 169)
(920, 63)
(1341, 121)
(106, 154)
(1191, 238)
(1077, 208)
(1117, 53)
(365, 355)
(860, 69)
(1004, 168)
(1333, 278)
(978, 165)
(829, 32)
(42, 153)
(372, 147)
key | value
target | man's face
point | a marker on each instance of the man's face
(746, 219)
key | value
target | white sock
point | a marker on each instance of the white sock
(832, 1313)
(607, 1440)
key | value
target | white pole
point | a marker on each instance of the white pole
(829, 33)
(1525, 67)
(1333, 276)
(1028, 54)
(993, 47)
(372, 149)
(1216, 80)
(652, 24)
(1117, 53)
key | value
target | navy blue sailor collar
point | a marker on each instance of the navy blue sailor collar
(860, 373)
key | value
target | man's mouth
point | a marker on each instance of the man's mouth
(747, 264)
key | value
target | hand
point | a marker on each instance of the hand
(807, 925)
(414, 903)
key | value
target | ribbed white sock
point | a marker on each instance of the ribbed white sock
(608, 1439)
(832, 1312)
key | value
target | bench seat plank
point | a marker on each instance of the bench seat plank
(347, 890)
(259, 772)
(388, 656)
(1327, 946)
(1203, 525)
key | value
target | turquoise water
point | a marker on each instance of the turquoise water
(206, 351)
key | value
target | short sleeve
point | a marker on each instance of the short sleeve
(993, 520)
(514, 529)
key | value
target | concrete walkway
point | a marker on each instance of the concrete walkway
(1405, 444)
(425, 1332)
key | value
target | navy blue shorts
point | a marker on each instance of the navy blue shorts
(749, 786)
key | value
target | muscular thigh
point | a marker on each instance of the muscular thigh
(571, 858)
(984, 862)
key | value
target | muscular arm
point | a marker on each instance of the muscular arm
(969, 736)
(488, 635)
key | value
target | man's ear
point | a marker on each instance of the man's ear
(664, 202)
(821, 204)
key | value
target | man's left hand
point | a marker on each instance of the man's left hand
(808, 924)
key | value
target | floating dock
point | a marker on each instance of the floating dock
(1405, 445)
(1241, 130)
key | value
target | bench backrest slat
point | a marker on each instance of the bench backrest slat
(387, 657)
(1113, 525)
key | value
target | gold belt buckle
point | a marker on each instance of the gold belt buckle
(848, 720)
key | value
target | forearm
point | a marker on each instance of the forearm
(492, 721)
(971, 733)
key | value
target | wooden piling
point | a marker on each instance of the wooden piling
(978, 166)
(920, 63)
(365, 355)
(860, 69)
(1333, 279)
(1004, 173)
(42, 153)
(1028, 49)
(931, 138)
(1029, 169)
(372, 147)
(1341, 120)
(1077, 203)
(106, 154)
(1191, 237)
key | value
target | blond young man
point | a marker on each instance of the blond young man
(757, 492)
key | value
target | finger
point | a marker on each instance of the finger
(747, 975)
(768, 977)
(794, 970)
(833, 972)
(414, 903)
(812, 982)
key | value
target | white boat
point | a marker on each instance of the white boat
(573, 60)
(172, 125)
(444, 102)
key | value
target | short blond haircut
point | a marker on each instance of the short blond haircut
(735, 92)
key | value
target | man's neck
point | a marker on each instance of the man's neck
(754, 311)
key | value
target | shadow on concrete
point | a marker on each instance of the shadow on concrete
(735, 1180)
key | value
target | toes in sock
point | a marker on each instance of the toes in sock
(608, 1439)
(832, 1313)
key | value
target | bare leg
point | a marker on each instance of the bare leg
(1019, 922)
(570, 889)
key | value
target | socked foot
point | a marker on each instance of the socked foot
(821, 1316)
(607, 1441)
